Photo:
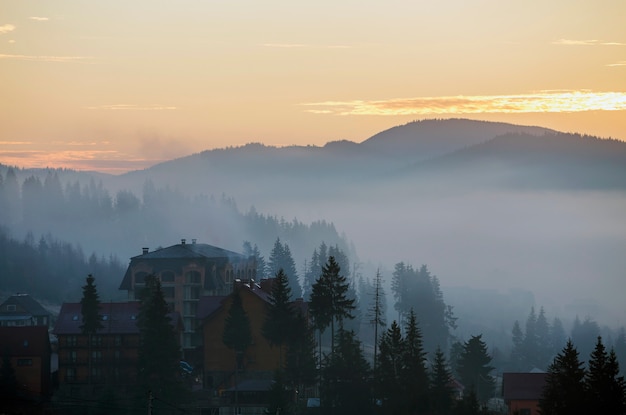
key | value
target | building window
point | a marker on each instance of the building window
(96, 356)
(524, 411)
(71, 341)
(167, 276)
(11, 307)
(72, 356)
(190, 308)
(118, 340)
(192, 277)
(96, 373)
(192, 293)
(96, 340)
(117, 354)
(24, 362)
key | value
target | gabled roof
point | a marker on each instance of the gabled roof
(117, 318)
(24, 341)
(523, 386)
(26, 302)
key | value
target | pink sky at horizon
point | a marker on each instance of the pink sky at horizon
(121, 86)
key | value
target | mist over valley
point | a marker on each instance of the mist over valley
(504, 215)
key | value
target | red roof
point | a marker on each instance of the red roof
(25, 341)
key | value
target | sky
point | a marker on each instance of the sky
(117, 86)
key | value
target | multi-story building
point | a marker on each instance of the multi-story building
(23, 310)
(85, 368)
(187, 272)
(27, 349)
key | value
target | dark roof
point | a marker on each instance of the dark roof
(117, 318)
(190, 251)
(26, 302)
(523, 386)
(171, 257)
(208, 305)
(24, 341)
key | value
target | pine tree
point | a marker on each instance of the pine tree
(159, 351)
(605, 388)
(346, 388)
(280, 257)
(440, 391)
(389, 371)
(564, 391)
(92, 321)
(517, 353)
(474, 369)
(542, 333)
(415, 376)
(341, 307)
(279, 317)
(301, 362)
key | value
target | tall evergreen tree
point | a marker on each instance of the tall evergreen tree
(90, 308)
(389, 371)
(91, 319)
(606, 390)
(346, 388)
(440, 391)
(159, 350)
(474, 369)
(415, 376)
(564, 391)
(280, 257)
(542, 333)
(517, 352)
(376, 312)
(279, 318)
(301, 365)
(261, 266)
(558, 338)
(341, 307)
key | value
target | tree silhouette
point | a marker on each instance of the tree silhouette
(159, 351)
(92, 321)
(440, 391)
(474, 369)
(605, 387)
(564, 391)
(279, 318)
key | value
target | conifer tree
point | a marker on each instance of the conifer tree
(279, 318)
(606, 391)
(346, 388)
(564, 391)
(415, 376)
(91, 319)
(517, 352)
(159, 350)
(440, 391)
(474, 369)
(389, 371)
(301, 365)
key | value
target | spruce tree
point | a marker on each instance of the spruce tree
(415, 376)
(91, 319)
(605, 387)
(346, 389)
(301, 370)
(517, 353)
(474, 369)
(390, 388)
(564, 391)
(279, 317)
(440, 390)
(159, 350)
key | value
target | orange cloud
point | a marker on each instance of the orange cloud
(540, 102)
(6, 28)
(591, 42)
